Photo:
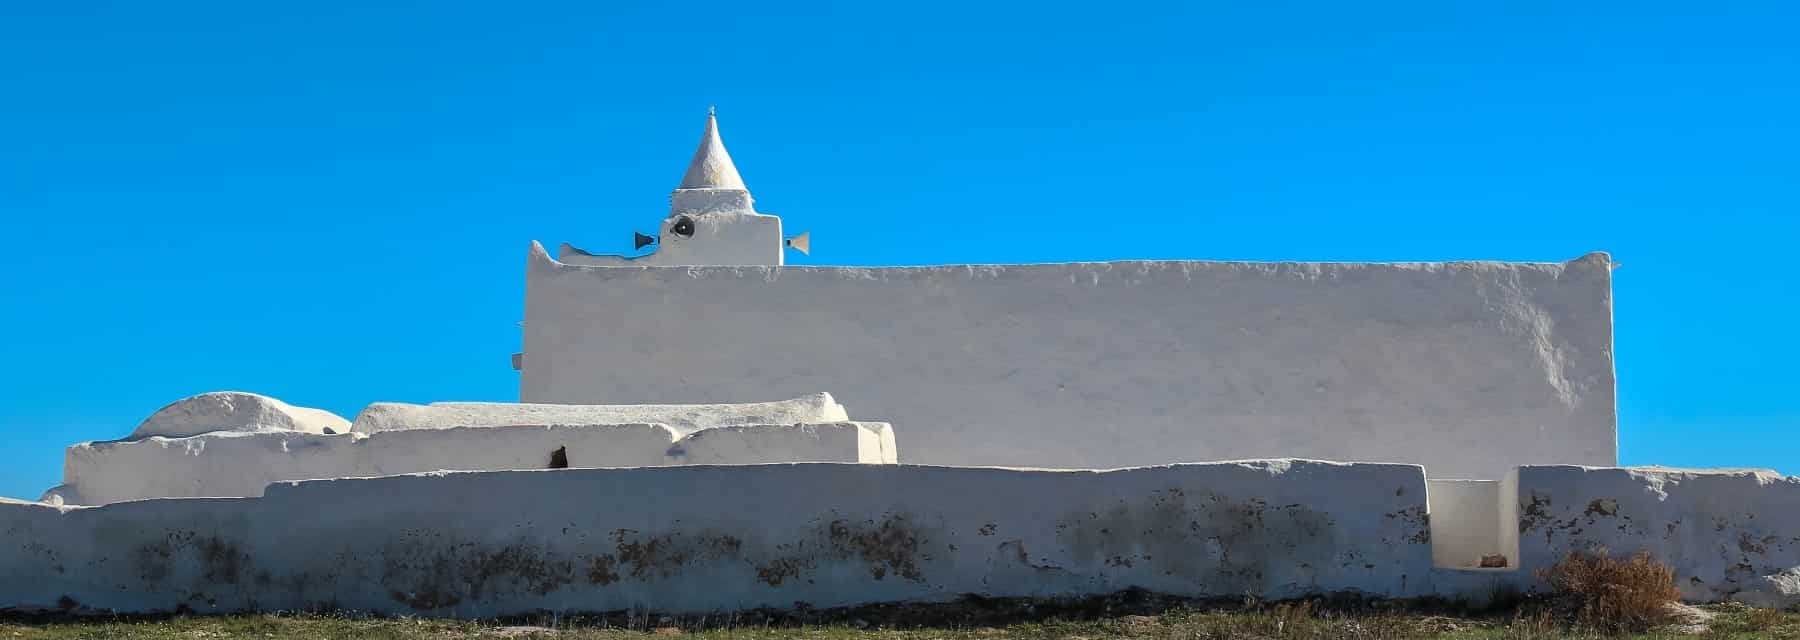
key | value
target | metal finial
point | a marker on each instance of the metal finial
(711, 110)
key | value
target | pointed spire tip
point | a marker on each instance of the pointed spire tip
(711, 167)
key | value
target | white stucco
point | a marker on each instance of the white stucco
(868, 443)
(236, 411)
(1729, 534)
(722, 238)
(232, 464)
(711, 167)
(683, 418)
(1466, 369)
(774, 535)
(712, 538)
(1469, 368)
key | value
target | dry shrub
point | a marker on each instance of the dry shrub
(1302, 620)
(1607, 594)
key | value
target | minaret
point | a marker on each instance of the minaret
(710, 222)
(712, 183)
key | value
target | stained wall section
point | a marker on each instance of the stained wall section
(1468, 368)
(511, 542)
(1728, 534)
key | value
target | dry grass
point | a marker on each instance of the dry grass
(1612, 595)
(1290, 621)
(1601, 598)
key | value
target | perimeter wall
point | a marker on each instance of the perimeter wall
(704, 539)
(714, 538)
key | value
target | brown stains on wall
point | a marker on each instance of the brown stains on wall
(1535, 514)
(1228, 545)
(434, 577)
(1602, 507)
(890, 546)
(428, 573)
(639, 557)
(781, 570)
(1718, 546)
(205, 558)
(1540, 515)
(1418, 520)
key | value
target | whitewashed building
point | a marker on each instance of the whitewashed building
(1201, 429)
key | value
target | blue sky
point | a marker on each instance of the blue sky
(331, 202)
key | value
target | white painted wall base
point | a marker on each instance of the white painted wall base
(1729, 533)
(231, 464)
(738, 537)
(714, 538)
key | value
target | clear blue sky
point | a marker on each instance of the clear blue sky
(330, 202)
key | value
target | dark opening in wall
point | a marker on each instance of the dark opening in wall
(559, 459)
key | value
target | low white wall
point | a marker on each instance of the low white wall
(872, 444)
(712, 538)
(229, 464)
(683, 418)
(1729, 534)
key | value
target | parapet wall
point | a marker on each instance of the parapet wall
(1729, 534)
(816, 408)
(1470, 368)
(702, 539)
(713, 538)
(236, 464)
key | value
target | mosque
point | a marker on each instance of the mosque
(1201, 429)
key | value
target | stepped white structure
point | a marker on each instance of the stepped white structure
(1204, 429)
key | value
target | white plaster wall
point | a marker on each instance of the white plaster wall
(711, 538)
(720, 238)
(242, 464)
(683, 418)
(769, 444)
(235, 411)
(1729, 534)
(1465, 522)
(1469, 368)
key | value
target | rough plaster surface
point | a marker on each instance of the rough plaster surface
(236, 411)
(1729, 534)
(683, 418)
(769, 444)
(1469, 368)
(485, 544)
(230, 464)
(711, 167)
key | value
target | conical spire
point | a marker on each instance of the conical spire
(711, 167)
